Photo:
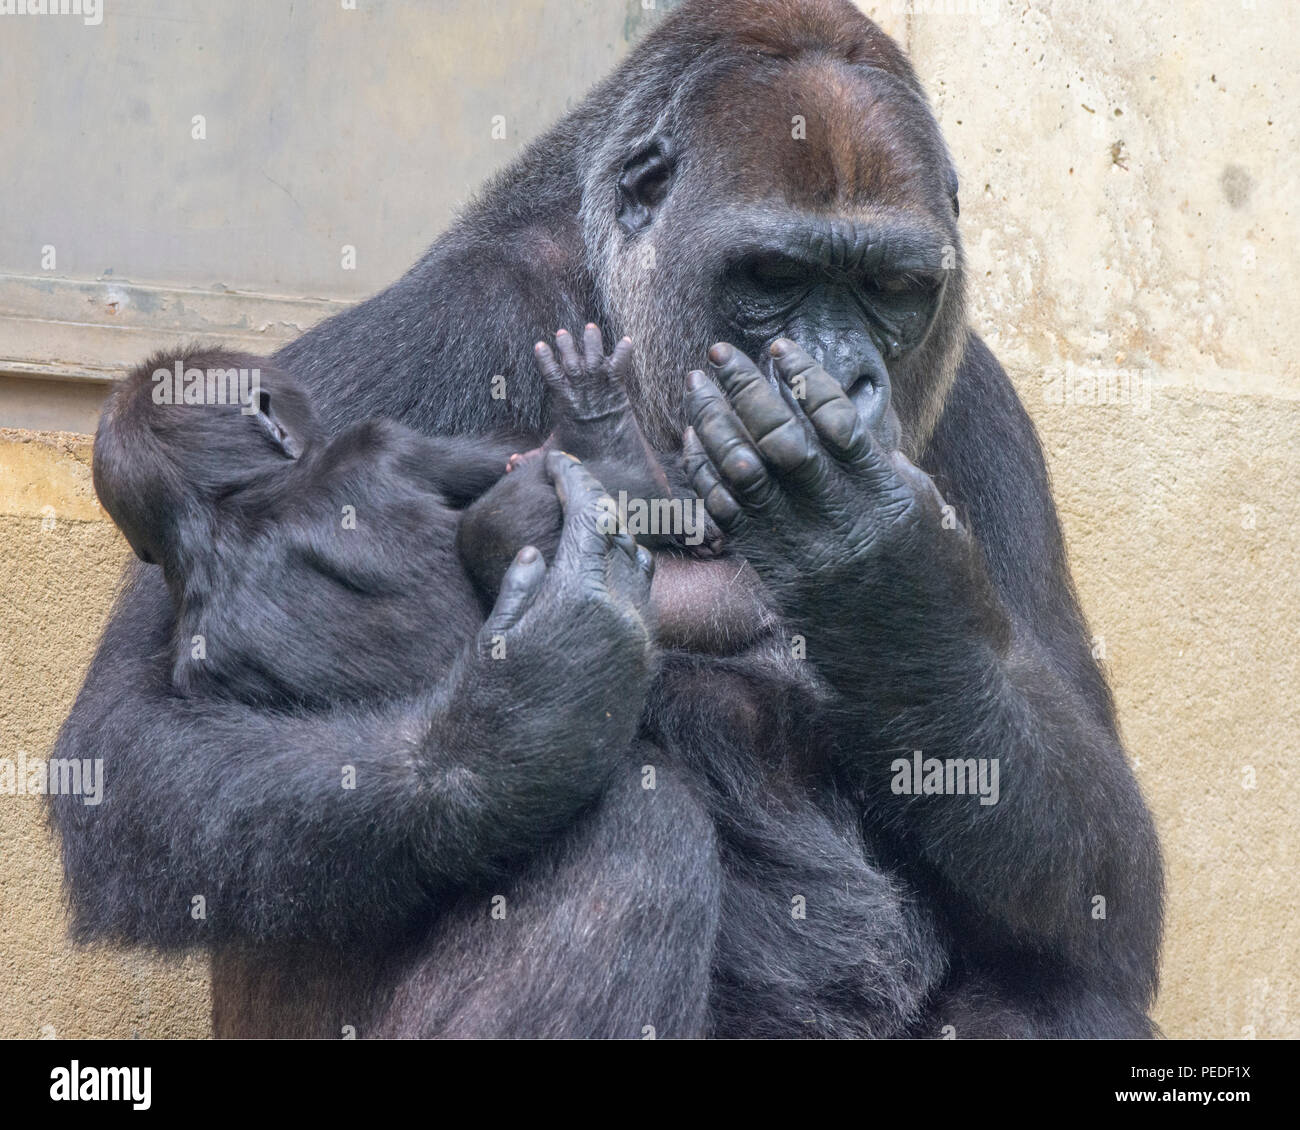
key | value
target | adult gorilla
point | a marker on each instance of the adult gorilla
(755, 171)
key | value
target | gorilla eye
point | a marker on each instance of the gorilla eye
(895, 284)
(904, 285)
(777, 272)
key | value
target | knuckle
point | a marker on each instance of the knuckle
(743, 466)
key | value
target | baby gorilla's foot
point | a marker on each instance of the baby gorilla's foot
(523, 458)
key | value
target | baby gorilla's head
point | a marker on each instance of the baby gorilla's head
(185, 431)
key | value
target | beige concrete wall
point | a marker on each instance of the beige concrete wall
(60, 560)
(1129, 184)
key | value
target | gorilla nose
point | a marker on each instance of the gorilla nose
(839, 363)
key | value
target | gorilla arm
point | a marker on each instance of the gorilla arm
(341, 827)
(926, 651)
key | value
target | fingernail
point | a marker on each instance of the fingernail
(780, 346)
(721, 353)
(540, 347)
(696, 380)
(527, 555)
(561, 332)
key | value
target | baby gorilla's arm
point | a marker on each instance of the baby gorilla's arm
(594, 421)
(461, 468)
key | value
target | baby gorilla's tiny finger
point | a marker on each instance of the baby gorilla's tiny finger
(620, 360)
(549, 367)
(593, 346)
(568, 353)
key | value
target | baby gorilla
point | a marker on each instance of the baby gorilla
(346, 547)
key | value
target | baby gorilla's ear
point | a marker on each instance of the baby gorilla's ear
(287, 443)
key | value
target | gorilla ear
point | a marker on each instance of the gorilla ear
(643, 184)
(280, 435)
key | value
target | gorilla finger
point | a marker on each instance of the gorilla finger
(621, 539)
(519, 586)
(889, 430)
(708, 412)
(727, 442)
(569, 358)
(628, 578)
(593, 346)
(706, 481)
(921, 484)
(550, 369)
(621, 360)
(590, 516)
(777, 429)
(833, 415)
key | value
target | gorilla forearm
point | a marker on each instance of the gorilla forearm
(924, 655)
(1068, 823)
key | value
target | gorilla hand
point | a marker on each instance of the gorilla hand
(554, 686)
(850, 534)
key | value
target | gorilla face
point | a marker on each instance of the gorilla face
(811, 199)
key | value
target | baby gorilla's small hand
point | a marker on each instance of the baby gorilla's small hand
(590, 405)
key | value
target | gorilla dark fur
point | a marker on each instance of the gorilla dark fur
(767, 174)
